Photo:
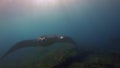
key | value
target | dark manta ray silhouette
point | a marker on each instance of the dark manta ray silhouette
(40, 41)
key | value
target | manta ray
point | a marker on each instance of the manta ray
(44, 40)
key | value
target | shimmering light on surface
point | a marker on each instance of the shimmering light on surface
(37, 3)
(43, 2)
(34, 8)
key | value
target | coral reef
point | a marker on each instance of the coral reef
(99, 61)
(51, 56)
(65, 56)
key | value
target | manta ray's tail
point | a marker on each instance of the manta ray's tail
(23, 44)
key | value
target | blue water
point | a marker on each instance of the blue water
(96, 22)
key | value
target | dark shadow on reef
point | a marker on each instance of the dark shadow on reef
(69, 61)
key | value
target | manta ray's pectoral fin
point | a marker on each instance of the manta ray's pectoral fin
(22, 44)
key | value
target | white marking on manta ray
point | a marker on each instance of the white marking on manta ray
(61, 37)
(41, 38)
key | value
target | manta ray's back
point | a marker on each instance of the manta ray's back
(41, 41)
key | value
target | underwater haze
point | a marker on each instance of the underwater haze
(89, 22)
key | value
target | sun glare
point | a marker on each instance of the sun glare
(44, 2)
